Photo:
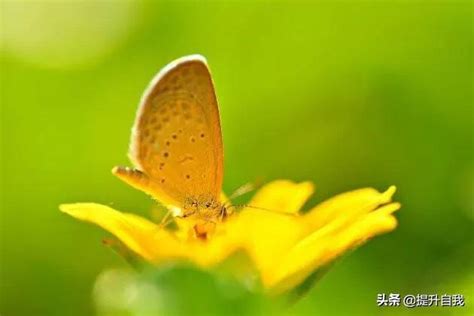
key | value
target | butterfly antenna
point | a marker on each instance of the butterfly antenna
(240, 206)
(244, 189)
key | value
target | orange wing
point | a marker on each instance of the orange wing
(176, 143)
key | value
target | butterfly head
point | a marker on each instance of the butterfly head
(206, 212)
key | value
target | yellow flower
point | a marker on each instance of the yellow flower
(284, 245)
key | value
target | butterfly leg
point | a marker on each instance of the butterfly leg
(223, 213)
(166, 219)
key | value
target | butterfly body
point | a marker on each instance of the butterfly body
(176, 144)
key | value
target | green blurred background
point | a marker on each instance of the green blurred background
(345, 94)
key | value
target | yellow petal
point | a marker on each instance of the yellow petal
(140, 235)
(353, 202)
(285, 247)
(149, 240)
(327, 243)
(264, 235)
(283, 196)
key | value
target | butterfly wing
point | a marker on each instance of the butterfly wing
(176, 143)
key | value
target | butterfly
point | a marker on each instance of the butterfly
(176, 142)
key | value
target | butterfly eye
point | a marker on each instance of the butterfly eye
(208, 204)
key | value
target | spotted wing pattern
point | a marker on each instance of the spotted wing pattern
(176, 143)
